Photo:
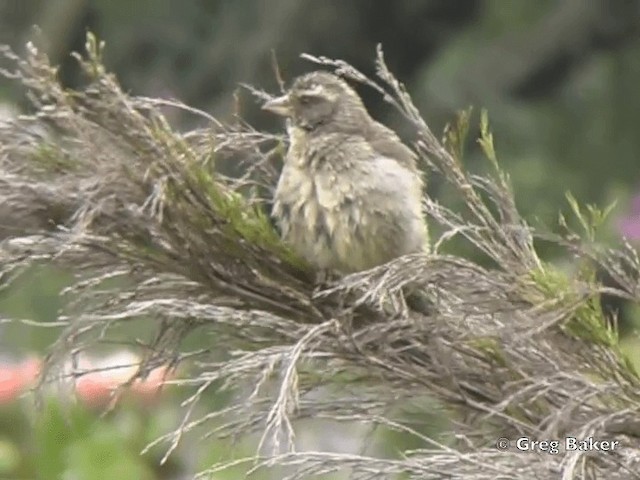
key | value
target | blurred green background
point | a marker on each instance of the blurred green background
(560, 78)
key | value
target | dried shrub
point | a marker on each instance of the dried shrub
(97, 181)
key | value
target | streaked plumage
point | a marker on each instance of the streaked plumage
(349, 195)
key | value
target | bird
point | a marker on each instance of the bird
(349, 196)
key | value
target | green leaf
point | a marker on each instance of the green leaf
(486, 140)
(455, 135)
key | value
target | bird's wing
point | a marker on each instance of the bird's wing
(363, 173)
(375, 205)
(386, 143)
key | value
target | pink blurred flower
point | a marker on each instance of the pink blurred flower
(99, 385)
(16, 378)
(629, 225)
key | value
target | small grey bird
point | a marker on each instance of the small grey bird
(349, 195)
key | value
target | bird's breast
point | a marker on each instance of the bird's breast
(306, 223)
(342, 208)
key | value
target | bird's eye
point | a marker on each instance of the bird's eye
(306, 99)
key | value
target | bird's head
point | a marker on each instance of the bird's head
(320, 100)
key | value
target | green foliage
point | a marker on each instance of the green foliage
(94, 63)
(66, 440)
(36, 298)
(486, 140)
(588, 321)
(51, 160)
(10, 458)
(71, 442)
(456, 133)
(591, 220)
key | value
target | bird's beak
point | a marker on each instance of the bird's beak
(279, 106)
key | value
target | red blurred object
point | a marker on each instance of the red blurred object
(97, 386)
(100, 384)
(17, 378)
